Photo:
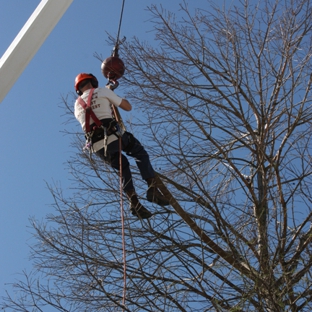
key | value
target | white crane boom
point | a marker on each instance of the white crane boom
(28, 41)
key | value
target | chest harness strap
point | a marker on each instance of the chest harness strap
(90, 114)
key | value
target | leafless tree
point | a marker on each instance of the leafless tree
(226, 97)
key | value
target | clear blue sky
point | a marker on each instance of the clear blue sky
(33, 148)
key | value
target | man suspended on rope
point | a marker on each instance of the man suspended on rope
(103, 133)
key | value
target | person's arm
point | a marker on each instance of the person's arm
(125, 105)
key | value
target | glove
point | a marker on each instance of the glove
(112, 84)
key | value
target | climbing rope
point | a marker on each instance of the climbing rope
(122, 226)
(118, 119)
(120, 21)
(122, 214)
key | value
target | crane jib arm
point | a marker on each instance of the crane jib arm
(28, 41)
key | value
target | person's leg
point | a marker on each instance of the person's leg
(136, 208)
(112, 158)
(134, 148)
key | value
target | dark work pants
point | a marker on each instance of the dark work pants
(136, 151)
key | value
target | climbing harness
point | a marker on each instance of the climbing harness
(89, 112)
(100, 129)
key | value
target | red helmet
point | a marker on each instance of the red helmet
(113, 67)
(84, 76)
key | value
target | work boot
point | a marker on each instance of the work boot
(153, 194)
(136, 208)
(140, 211)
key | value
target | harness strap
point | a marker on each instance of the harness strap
(106, 130)
(89, 112)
